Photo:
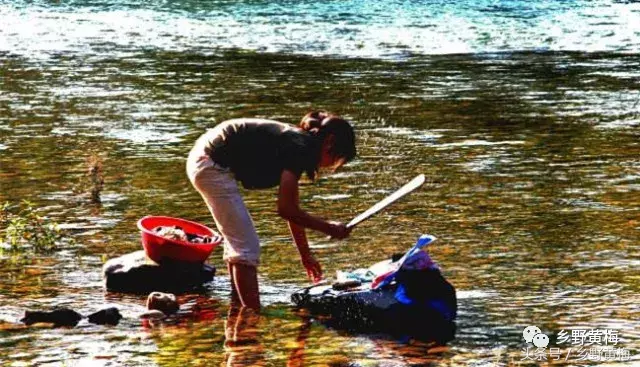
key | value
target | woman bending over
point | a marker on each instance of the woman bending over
(263, 154)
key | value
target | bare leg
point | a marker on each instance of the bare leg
(245, 278)
(235, 299)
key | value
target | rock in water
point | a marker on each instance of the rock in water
(136, 273)
(163, 302)
(108, 316)
(60, 317)
(429, 316)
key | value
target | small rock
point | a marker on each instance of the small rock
(107, 316)
(60, 317)
(136, 273)
(153, 315)
(163, 302)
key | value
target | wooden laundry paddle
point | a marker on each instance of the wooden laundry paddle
(404, 190)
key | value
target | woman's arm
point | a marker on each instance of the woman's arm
(289, 209)
(314, 271)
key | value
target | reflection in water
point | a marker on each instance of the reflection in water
(296, 357)
(242, 345)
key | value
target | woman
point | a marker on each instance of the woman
(262, 154)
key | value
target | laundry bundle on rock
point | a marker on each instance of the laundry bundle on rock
(404, 295)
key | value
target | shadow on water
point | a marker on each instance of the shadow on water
(532, 159)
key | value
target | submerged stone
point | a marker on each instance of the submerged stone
(136, 273)
(108, 316)
(59, 317)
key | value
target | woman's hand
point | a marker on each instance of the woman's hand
(338, 230)
(314, 271)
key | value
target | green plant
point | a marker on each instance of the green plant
(21, 227)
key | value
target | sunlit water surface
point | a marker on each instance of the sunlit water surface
(532, 159)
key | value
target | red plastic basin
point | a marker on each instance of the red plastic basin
(159, 248)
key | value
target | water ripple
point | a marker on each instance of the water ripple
(348, 28)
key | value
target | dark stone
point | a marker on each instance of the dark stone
(136, 273)
(430, 317)
(107, 316)
(60, 317)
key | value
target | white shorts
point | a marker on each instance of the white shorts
(220, 192)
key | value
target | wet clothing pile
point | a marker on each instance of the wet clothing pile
(177, 233)
(418, 301)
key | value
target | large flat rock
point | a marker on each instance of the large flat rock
(368, 310)
(136, 273)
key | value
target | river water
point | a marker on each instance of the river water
(524, 115)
